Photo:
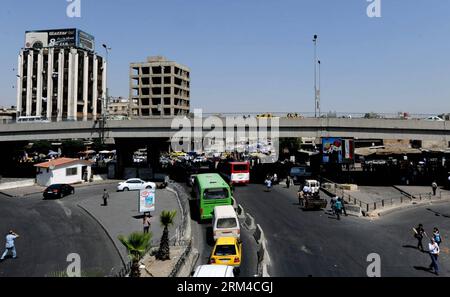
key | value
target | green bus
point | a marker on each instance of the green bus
(210, 190)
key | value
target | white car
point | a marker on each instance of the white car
(135, 184)
(214, 271)
(434, 118)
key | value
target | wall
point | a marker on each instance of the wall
(58, 176)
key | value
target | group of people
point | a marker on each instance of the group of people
(338, 207)
(270, 181)
(433, 246)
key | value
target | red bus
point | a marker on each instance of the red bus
(236, 172)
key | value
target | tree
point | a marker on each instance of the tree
(70, 148)
(167, 219)
(137, 244)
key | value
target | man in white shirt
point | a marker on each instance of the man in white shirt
(433, 247)
(10, 247)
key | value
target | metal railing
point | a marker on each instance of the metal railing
(404, 198)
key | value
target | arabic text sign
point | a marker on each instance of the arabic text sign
(147, 200)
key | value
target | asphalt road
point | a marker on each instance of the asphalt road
(204, 243)
(313, 243)
(51, 230)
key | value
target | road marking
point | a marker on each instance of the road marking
(67, 210)
(305, 250)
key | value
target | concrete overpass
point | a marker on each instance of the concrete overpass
(290, 128)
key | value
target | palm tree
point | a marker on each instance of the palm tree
(137, 244)
(166, 219)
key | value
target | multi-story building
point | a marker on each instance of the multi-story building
(161, 87)
(121, 107)
(60, 77)
(7, 115)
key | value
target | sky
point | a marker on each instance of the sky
(258, 55)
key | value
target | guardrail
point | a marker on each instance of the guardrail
(281, 114)
(404, 198)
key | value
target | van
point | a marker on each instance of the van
(214, 271)
(225, 222)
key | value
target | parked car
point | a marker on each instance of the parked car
(58, 191)
(214, 271)
(135, 184)
(227, 251)
(434, 119)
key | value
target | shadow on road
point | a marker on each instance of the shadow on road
(425, 269)
(409, 246)
(438, 214)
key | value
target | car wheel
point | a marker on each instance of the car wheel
(148, 187)
(126, 189)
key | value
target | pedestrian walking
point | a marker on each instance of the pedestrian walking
(343, 206)
(419, 235)
(105, 197)
(10, 246)
(288, 182)
(338, 208)
(437, 236)
(434, 251)
(146, 223)
(434, 186)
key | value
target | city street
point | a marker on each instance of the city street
(203, 242)
(314, 243)
(50, 230)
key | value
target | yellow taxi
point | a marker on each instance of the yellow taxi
(227, 251)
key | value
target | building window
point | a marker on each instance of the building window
(71, 171)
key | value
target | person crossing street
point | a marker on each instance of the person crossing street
(10, 246)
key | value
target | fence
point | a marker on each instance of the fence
(404, 198)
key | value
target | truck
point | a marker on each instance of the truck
(309, 197)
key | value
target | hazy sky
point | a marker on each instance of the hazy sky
(257, 55)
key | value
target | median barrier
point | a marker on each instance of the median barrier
(259, 234)
(249, 222)
(240, 212)
(353, 210)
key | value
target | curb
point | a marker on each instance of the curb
(124, 261)
(409, 206)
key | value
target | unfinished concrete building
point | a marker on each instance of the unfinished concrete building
(160, 87)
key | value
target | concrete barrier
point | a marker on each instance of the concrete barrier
(17, 184)
(353, 210)
(249, 222)
(259, 235)
(240, 212)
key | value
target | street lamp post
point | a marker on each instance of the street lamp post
(106, 104)
(106, 99)
(316, 91)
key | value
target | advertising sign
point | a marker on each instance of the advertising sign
(86, 41)
(337, 150)
(59, 38)
(147, 200)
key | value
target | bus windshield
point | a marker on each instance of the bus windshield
(211, 194)
(240, 167)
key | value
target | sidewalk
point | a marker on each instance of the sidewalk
(121, 216)
(31, 190)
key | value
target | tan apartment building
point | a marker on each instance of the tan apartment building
(160, 87)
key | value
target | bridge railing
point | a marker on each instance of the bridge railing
(280, 114)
